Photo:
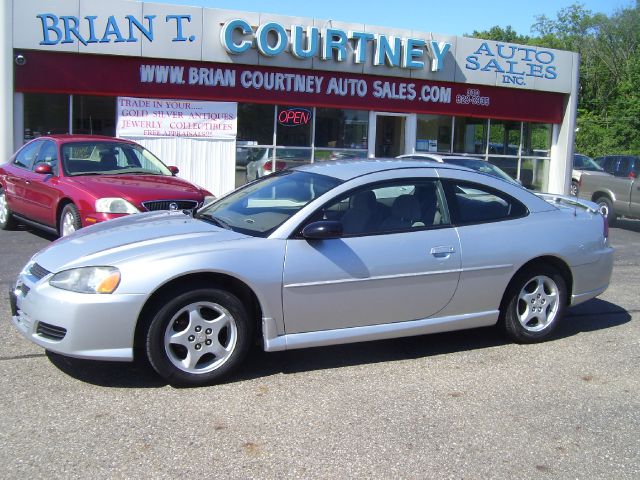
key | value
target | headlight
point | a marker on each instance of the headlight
(114, 205)
(87, 280)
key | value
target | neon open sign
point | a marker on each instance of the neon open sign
(292, 117)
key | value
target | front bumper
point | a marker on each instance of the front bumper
(91, 326)
(92, 218)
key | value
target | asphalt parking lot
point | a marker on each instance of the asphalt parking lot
(458, 405)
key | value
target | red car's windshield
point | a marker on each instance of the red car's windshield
(109, 158)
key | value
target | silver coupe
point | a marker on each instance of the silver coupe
(322, 254)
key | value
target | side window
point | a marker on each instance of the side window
(27, 155)
(389, 207)
(623, 167)
(473, 203)
(48, 154)
(608, 165)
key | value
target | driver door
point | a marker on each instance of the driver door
(387, 267)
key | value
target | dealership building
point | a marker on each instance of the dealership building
(228, 96)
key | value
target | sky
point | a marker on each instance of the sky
(453, 17)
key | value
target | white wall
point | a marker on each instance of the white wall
(207, 163)
(6, 80)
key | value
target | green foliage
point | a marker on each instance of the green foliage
(609, 48)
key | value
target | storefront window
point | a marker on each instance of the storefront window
(504, 137)
(45, 114)
(537, 139)
(293, 126)
(255, 124)
(433, 133)
(341, 134)
(255, 136)
(341, 128)
(535, 173)
(94, 115)
(470, 135)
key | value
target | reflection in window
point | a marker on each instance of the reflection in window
(470, 135)
(537, 139)
(94, 115)
(504, 137)
(341, 128)
(255, 124)
(45, 114)
(534, 173)
(256, 162)
(433, 133)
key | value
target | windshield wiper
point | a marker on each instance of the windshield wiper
(215, 221)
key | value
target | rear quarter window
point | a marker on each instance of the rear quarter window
(471, 203)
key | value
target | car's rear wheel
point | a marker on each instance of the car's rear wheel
(574, 189)
(69, 220)
(607, 209)
(198, 337)
(7, 222)
(534, 304)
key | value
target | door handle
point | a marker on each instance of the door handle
(442, 251)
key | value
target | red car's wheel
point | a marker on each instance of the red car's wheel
(69, 220)
(7, 222)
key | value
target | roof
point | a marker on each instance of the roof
(64, 138)
(348, 169)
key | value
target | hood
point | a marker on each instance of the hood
(134, 235)
(139, 188)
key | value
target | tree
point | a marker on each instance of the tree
(609, 48)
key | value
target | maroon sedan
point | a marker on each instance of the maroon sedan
(64, 182)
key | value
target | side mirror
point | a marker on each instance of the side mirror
(44, 169)
(173, 170)
(324, 229)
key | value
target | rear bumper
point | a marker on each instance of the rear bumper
(592, 279)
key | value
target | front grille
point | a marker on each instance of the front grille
(169, 205)
(38, 271)
(51, 331)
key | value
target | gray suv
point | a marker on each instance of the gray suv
(617, 189)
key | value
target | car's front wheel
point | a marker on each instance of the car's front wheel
(69, 220)
(534, 304)
(198, 337)
(7, 222)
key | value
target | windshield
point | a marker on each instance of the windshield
(582, 162)
(110, 158)
(262, 206)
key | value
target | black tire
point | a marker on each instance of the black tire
(69, 220)
(607, 209)
(7, 222)
(214, 337)
(534, 304)
(574, 189)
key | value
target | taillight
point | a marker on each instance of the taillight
(267, 167)
(632, 174)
